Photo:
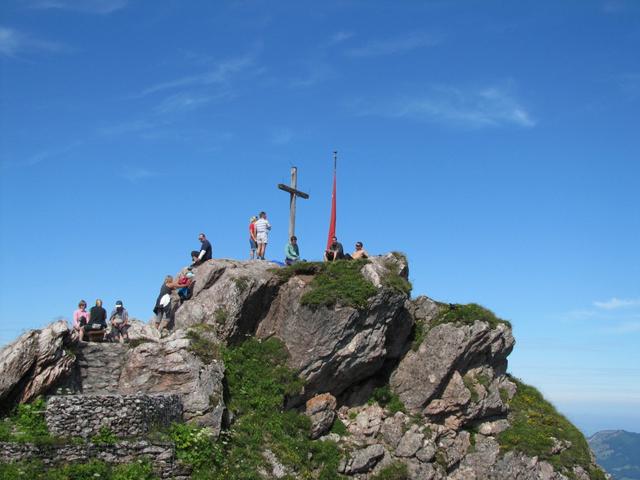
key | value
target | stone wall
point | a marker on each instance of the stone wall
(162, 456)
(124, 415)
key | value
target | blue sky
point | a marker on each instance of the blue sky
(496, 144)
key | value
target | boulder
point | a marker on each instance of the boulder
(229, 295)
(423, 375)
(34, 363)
(362, 460)
(333, 348)
(170, 366)
(321, 411)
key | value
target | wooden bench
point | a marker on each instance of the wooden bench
(96, 335)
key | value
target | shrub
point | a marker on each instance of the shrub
(26, 424)
(339, 282)
(104, 437)
(35, 470)
(339, 428)
(467, 315)
(388, 399)
(534, 421)
(203, 348)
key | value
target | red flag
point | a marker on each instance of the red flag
(332, 223)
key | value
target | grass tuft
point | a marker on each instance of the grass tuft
(386, 398)
(467, 315)
(339, 282)
(394, 471)
(202, 347)
(534, 421)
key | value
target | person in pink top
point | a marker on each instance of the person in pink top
(80, 319)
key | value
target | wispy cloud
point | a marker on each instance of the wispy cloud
(488, 107)
(135, 174)
(626, 327)
(187, 101)
(617, 303)
(395, 45)
(619, 6)
(315, 72)
(340, 37)
(221, 73)
(100, 7)
(13, 43)
(42, 156)
(281, 136)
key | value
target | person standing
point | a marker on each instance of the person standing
(253, 241)
(119, 321)
(262, 234)
(205, 252)
(80, 319)
(162, 308)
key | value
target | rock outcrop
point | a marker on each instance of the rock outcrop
(410, 385)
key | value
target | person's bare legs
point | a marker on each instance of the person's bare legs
(81, 334)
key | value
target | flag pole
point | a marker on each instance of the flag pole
(332, 221)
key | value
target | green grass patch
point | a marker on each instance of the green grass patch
(418, 334)
(339, 282)
(467, 315)
(35, 470)
(470, 383)
(339, 428)
(26, 424)
(392, 280)
(298, 268)
(242, 283)
(104, 437)
(533, 422)
(201, 346)
(388, 399)
(394, 471)
(221, 316)
(258, 383)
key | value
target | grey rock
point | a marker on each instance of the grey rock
(34, 363)
(321, 411)
(410, 443)
(392, 429)
(494, 427)
(170, 366)
(229, 295)
(277, 469)
(423, 375)
(362, 460)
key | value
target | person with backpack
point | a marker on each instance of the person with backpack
(162, 309)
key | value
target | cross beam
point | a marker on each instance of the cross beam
(293, 192)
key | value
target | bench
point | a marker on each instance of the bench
(96, 335)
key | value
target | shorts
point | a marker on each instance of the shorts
(262, 237)
(253, 244)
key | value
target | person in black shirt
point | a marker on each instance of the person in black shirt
(205, 252)
(162, 308)
(97, 318)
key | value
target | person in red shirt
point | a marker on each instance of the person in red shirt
(253, 241)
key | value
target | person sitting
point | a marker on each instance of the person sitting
(292, 252)
(97, 319)
(335, 252)
(360, 252)
(119, 321)
(80, 319)
(162, 308)
(184, 285)
(205, 253)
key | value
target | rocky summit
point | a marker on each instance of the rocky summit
(314, 371)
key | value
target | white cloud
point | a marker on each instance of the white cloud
(13, 43)
(391, 46)
(100, 7)
(489, 107)
(219, 74)
(340, 37)
(316, 72)
(625, 327)
(187, 101)
(616, 303)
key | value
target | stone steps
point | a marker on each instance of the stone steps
(99, 367)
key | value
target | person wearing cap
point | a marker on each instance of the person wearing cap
(262, 234)
(360, 252)
(205, 253)
(253, 241)
(335, 252)
(292, 252)
(80, 319)
(119, 321)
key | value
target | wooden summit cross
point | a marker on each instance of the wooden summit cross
(293, 193)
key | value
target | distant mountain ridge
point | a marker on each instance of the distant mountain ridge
(618, 452)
